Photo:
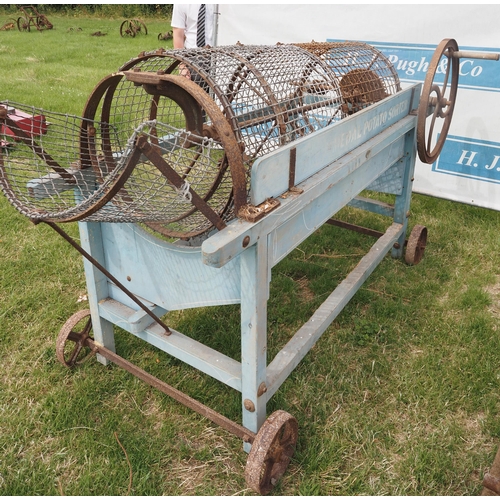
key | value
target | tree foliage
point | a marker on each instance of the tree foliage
(100, 10)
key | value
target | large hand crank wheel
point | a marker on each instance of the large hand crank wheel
(70, 345)
(434, 96)
(271, 452)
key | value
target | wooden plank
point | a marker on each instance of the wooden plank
(53, 183)
(171, 276)
(305, 338)
(375, 206)
(182, 347)
(296, 229)
(225, 245)
(254, 296)
(126, 317)
(97, 284)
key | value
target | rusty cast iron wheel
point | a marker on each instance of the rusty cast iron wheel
(76, 330)
(126, 29)
(271, 452)
(141, 27)
(43, 23)
(434, 96)
(416, 245)
(23, 24)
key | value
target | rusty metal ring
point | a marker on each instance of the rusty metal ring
(165, 85)
(224, 133)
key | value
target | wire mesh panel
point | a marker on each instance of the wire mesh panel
(170, 139)
(40, 162)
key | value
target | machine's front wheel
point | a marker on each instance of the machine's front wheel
(271, 452)
(126, 29)
(77, 330)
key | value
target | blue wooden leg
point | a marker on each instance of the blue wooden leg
(402, 202)
(254, 296)
(97, 285)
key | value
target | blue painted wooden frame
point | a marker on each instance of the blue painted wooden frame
(234, 265)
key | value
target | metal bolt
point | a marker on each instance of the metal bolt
(249, 405)
(262, 389)
(397, 245)
(129, 278)
(246, 241)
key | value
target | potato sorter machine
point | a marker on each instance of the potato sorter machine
(188, 191)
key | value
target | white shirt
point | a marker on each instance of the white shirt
(185, 16)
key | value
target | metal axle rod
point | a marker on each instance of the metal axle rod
(234, 428)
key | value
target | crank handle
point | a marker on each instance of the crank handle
(491, 56)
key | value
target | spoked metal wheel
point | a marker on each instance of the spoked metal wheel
(126, 29)
(141, 27)
(71, 347)
(416, 245)
(23, 24)
(440, 99)
(271, 452)
(43, 23)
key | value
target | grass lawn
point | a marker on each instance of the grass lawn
(399, 397)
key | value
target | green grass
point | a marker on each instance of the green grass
(57, 69)
(399, 397)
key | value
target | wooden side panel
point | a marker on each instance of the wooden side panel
(316, 151)
(169, 276)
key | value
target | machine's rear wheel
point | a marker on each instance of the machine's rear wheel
(141, 27)
(23, 24)
(416, 245)
(126, 29)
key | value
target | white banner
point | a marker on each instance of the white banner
(468, 169)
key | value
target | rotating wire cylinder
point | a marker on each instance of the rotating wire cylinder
(365, 74)
(176, 153)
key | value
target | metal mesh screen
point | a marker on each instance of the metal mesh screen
(240, 102)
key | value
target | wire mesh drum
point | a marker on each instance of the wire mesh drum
(366, 76)
(169, 140)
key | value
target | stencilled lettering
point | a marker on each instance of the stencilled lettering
(473, 158)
